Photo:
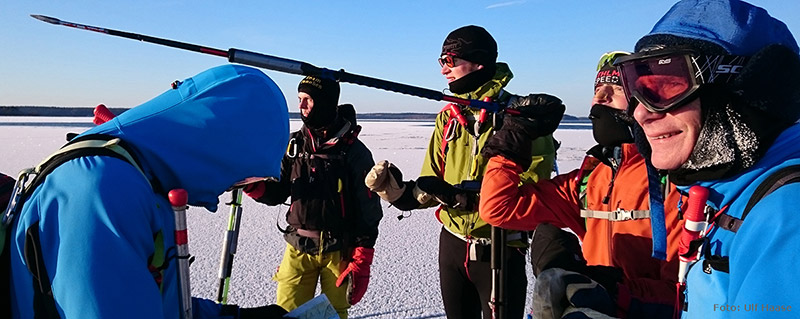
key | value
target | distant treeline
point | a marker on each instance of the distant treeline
(87, 112)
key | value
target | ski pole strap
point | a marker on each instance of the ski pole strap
(617, 215)
(657, 223)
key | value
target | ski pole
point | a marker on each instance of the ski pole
(498, 275)
(692, 229)
(178, 199)
(690, 241)
(229, 245)
(497, 264)
(288, 66)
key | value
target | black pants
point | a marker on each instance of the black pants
(466, 292)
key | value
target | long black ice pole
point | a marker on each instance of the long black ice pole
(497, 263)
(286, 65)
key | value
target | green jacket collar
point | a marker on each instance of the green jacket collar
(493, 87)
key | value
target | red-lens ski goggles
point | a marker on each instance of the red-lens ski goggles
(663, 80)
(448, 60)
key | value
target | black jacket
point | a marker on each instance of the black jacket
(325, 179)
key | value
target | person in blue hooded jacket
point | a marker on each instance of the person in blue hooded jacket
(718, 89)
(96, 217)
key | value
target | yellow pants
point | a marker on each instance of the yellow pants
(297, 279)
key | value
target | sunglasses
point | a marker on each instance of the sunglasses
(664, 80)
(448, 60)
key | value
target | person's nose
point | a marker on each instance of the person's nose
(602, 96)
(445, 69)
(643, 115)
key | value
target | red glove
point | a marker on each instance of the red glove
(357, 274)
(255, 190)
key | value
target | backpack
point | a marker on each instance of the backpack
(29, 180)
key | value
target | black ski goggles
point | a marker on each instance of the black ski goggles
(666, 79)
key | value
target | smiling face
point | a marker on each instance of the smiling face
(459, 69)
(672, 135)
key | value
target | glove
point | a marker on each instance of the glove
(449, 195)
(357, 274)
(386, 180)
(558, 293)
(553, 247)
(538, 115)
(255, 190)
(264, 312)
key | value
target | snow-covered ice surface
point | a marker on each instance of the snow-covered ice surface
(404, 282)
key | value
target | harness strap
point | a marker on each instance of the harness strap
(486, 241)
(786, 175)
(729, 223)
(617, 215)
(44, 304)
(717, 263)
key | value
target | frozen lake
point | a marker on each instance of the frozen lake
(404, 282)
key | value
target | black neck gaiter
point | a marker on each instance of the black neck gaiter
(610, 127)
(473, 80)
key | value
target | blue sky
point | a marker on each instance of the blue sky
(551, 46)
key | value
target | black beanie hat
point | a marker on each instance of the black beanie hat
(325, 94)
(471, 43)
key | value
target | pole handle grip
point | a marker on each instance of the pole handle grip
(267, 61)
(696, 204)
(178, 197)
(102, 114)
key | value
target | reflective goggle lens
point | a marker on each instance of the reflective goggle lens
(660, 83)
(447, 60)
(661, 90)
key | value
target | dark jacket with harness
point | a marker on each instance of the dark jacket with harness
(331, 208)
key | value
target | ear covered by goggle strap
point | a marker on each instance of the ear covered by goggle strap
(770, 81)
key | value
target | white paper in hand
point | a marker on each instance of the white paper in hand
(317, 308)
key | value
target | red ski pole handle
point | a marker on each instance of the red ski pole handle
(694, 215)
(695, 223)
(455, 111)
(102, 114)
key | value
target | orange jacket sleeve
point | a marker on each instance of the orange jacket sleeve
(505, 204)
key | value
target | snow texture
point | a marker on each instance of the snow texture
(404, 281)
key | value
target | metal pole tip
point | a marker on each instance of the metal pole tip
(46, 19)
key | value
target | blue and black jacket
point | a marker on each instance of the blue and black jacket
(97, 217)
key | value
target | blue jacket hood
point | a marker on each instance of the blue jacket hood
(214, 129)
(739, 27)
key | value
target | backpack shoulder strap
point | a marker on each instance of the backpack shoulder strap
(89, 145)
(786, 175)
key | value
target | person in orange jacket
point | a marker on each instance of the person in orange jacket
(606, 203)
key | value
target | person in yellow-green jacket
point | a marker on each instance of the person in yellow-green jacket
(453, 168)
